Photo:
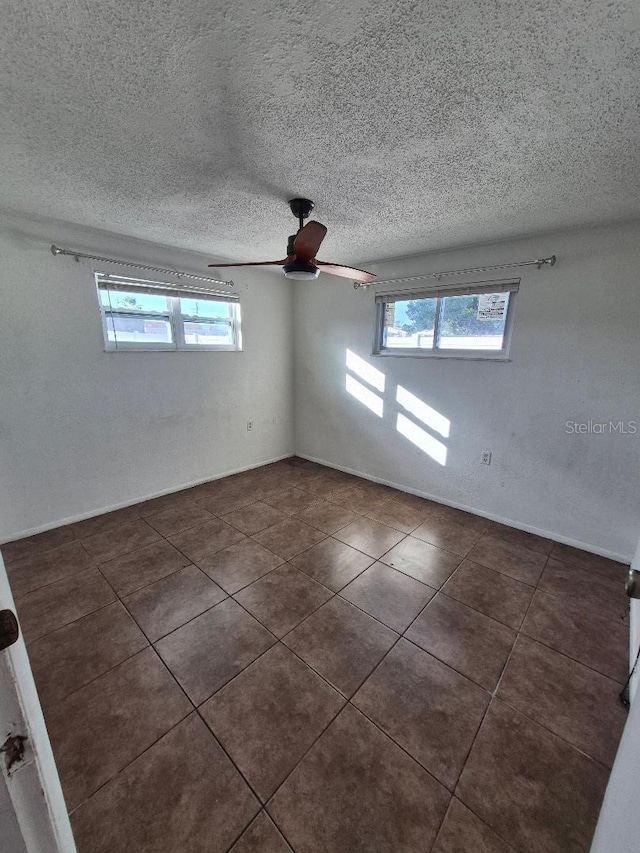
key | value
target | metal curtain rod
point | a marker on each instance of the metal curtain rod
(55, 250)
(539, 263)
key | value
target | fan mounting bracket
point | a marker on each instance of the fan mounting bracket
(301, 207)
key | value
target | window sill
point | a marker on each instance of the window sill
(466, 355)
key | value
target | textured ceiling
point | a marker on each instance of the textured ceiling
(414, 125)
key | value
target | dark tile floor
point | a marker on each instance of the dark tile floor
(296, 659)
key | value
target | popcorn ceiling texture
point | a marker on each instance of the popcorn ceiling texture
(413, 125)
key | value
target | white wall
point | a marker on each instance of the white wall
(82, 430)
(575, 355)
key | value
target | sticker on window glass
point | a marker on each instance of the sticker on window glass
(389, 314)
(492, 306)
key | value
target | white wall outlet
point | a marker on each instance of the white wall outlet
(485, 458)
(249, 426)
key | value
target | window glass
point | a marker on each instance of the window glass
(409, 324)
(473, 322)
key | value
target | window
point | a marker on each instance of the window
(453, 321)
(144, 315)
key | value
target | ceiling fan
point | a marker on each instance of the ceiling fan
(301, 262)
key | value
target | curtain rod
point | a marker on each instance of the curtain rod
(539, 263)
(55, 250)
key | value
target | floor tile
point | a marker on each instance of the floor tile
(31, 546)
(289, 537)
(357, 791)
(550, 808)
(208, 651)
(342, 643)
(423, 561)
(142, 567)
(496, 595)
(397, 515)
(53, 606)
(239, 565)
(359, 499)
(325, 485)
(255, 517)
(332, 563)
(369, 536)
(520, 537)
(430, 710)
(168, 603)
(574, 702)
(122, 539)
(182, 794)
(450, 535)
(114, 719)
(47, 567)
(423, 505)
(463, 832)
(224, 504)
(576, 631)
(326, 516)
(104, 522)
(512, 560)
(199, 542)
(178, 517)
(293, 501)
(269, 716)
(74, 655)
(390, 596)
(282, 599)
(261, 837)
(461, 516)
(468, 641)
(604, 595)
(588, 561)
(174, 500)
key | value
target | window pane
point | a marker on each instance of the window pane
(473, 322)
(209, 308)
(208, 334)
(409, 324)
(120, 300)
(142, 330)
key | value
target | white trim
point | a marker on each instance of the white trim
(518, 525)
(31, 531)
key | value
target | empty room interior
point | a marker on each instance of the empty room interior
(319, 426)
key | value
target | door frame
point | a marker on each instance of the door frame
(33, 786)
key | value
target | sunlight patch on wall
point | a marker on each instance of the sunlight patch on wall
(365, 371)
(420, 410)
(364, 395)
(427, 443)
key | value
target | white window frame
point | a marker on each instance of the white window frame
(439, 292)
(174, 315)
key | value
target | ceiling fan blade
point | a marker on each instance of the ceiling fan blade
(345, 272)
(254, 264)
(308, 240)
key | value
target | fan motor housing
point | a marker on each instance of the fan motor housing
(303, 270)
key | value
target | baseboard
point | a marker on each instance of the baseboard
(509, 522)
(93, 513)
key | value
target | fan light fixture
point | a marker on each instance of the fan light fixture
(301, 270)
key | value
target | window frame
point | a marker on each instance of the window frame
(439, 292)
(173, 293)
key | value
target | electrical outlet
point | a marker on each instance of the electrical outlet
(249, 426)
(485, 458)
